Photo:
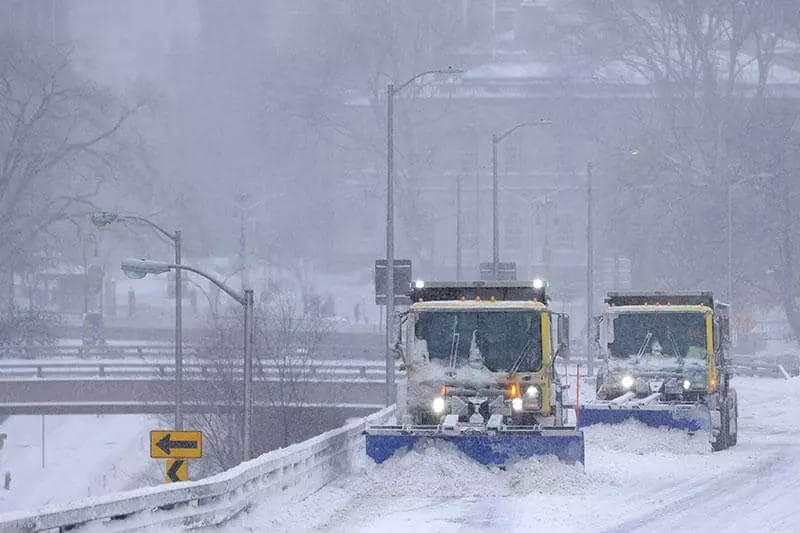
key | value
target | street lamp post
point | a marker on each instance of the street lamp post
(105, 218)
(139, 268)
(496, 138)
(391, 91)
(589, 270)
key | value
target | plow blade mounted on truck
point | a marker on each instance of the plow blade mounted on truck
(689, 418)
(488, 448)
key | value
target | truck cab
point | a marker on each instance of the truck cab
(669, 349)
(481, 351)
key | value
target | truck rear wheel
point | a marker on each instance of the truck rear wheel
(722, 440)
(733, 423)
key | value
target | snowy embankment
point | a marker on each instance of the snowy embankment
(635, 477)
(84, 455)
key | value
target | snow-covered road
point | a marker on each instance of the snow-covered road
(636, 479)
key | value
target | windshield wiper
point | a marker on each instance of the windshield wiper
(676, 351)
(644, 345)
(454, 345)
(525, 351)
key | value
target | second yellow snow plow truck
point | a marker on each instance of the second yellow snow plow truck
(664, 361)
(480, 375)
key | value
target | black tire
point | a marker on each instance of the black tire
(721, 442)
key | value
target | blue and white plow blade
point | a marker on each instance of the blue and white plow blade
(489, 447)
(692, 418)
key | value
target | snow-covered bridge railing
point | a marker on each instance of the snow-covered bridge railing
(285, 473)
(320, 369)
(783, 366)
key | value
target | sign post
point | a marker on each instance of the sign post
(402, 281)
(176, 447)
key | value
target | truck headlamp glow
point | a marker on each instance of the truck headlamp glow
(532, 392)
(516, 404)
(686, 384)
(438, 405)
(627, 381)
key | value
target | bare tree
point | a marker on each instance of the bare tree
(708, 65)
(287, 342)
(62, 139)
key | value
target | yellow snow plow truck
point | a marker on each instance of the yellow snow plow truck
(480, 374)
(664, 362)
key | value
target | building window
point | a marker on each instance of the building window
(513, 233)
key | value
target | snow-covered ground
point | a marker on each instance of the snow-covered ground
(636, 478)
(84, 455)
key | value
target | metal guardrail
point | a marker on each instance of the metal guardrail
(128, 351)
(281, 474)
(161, 350)
(316, 370)
(782, 366)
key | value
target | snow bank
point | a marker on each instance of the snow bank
(632, 470)
(635, 437)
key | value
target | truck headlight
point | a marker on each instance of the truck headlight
(516, 404)
(438, 405)
(627, 382)
(532, 392)
(686, 384)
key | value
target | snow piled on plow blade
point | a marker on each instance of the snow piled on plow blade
(691, 418)
(488, 449)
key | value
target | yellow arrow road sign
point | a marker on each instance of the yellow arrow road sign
(177, 470)
(166, 444)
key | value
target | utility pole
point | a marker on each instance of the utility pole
(178, 335)
(495, 214)
(390, 91)
(589, 270)
(249, 312)
(243, 263)
(458, 227)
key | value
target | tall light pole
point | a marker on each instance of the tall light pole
(104, 218)
(590, 261)
(496, 138)
(139, 268)
(589, 270)
(458, 227)
(391, 91)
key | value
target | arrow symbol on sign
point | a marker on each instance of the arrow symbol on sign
(166, 444)
(172, 472)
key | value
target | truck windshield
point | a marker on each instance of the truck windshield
(660, 335)
(501, 337)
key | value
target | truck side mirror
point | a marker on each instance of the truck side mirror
(563, 336)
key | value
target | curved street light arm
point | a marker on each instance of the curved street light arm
(230, 292)
(150, 223)
(421, 74)
(540, 122)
